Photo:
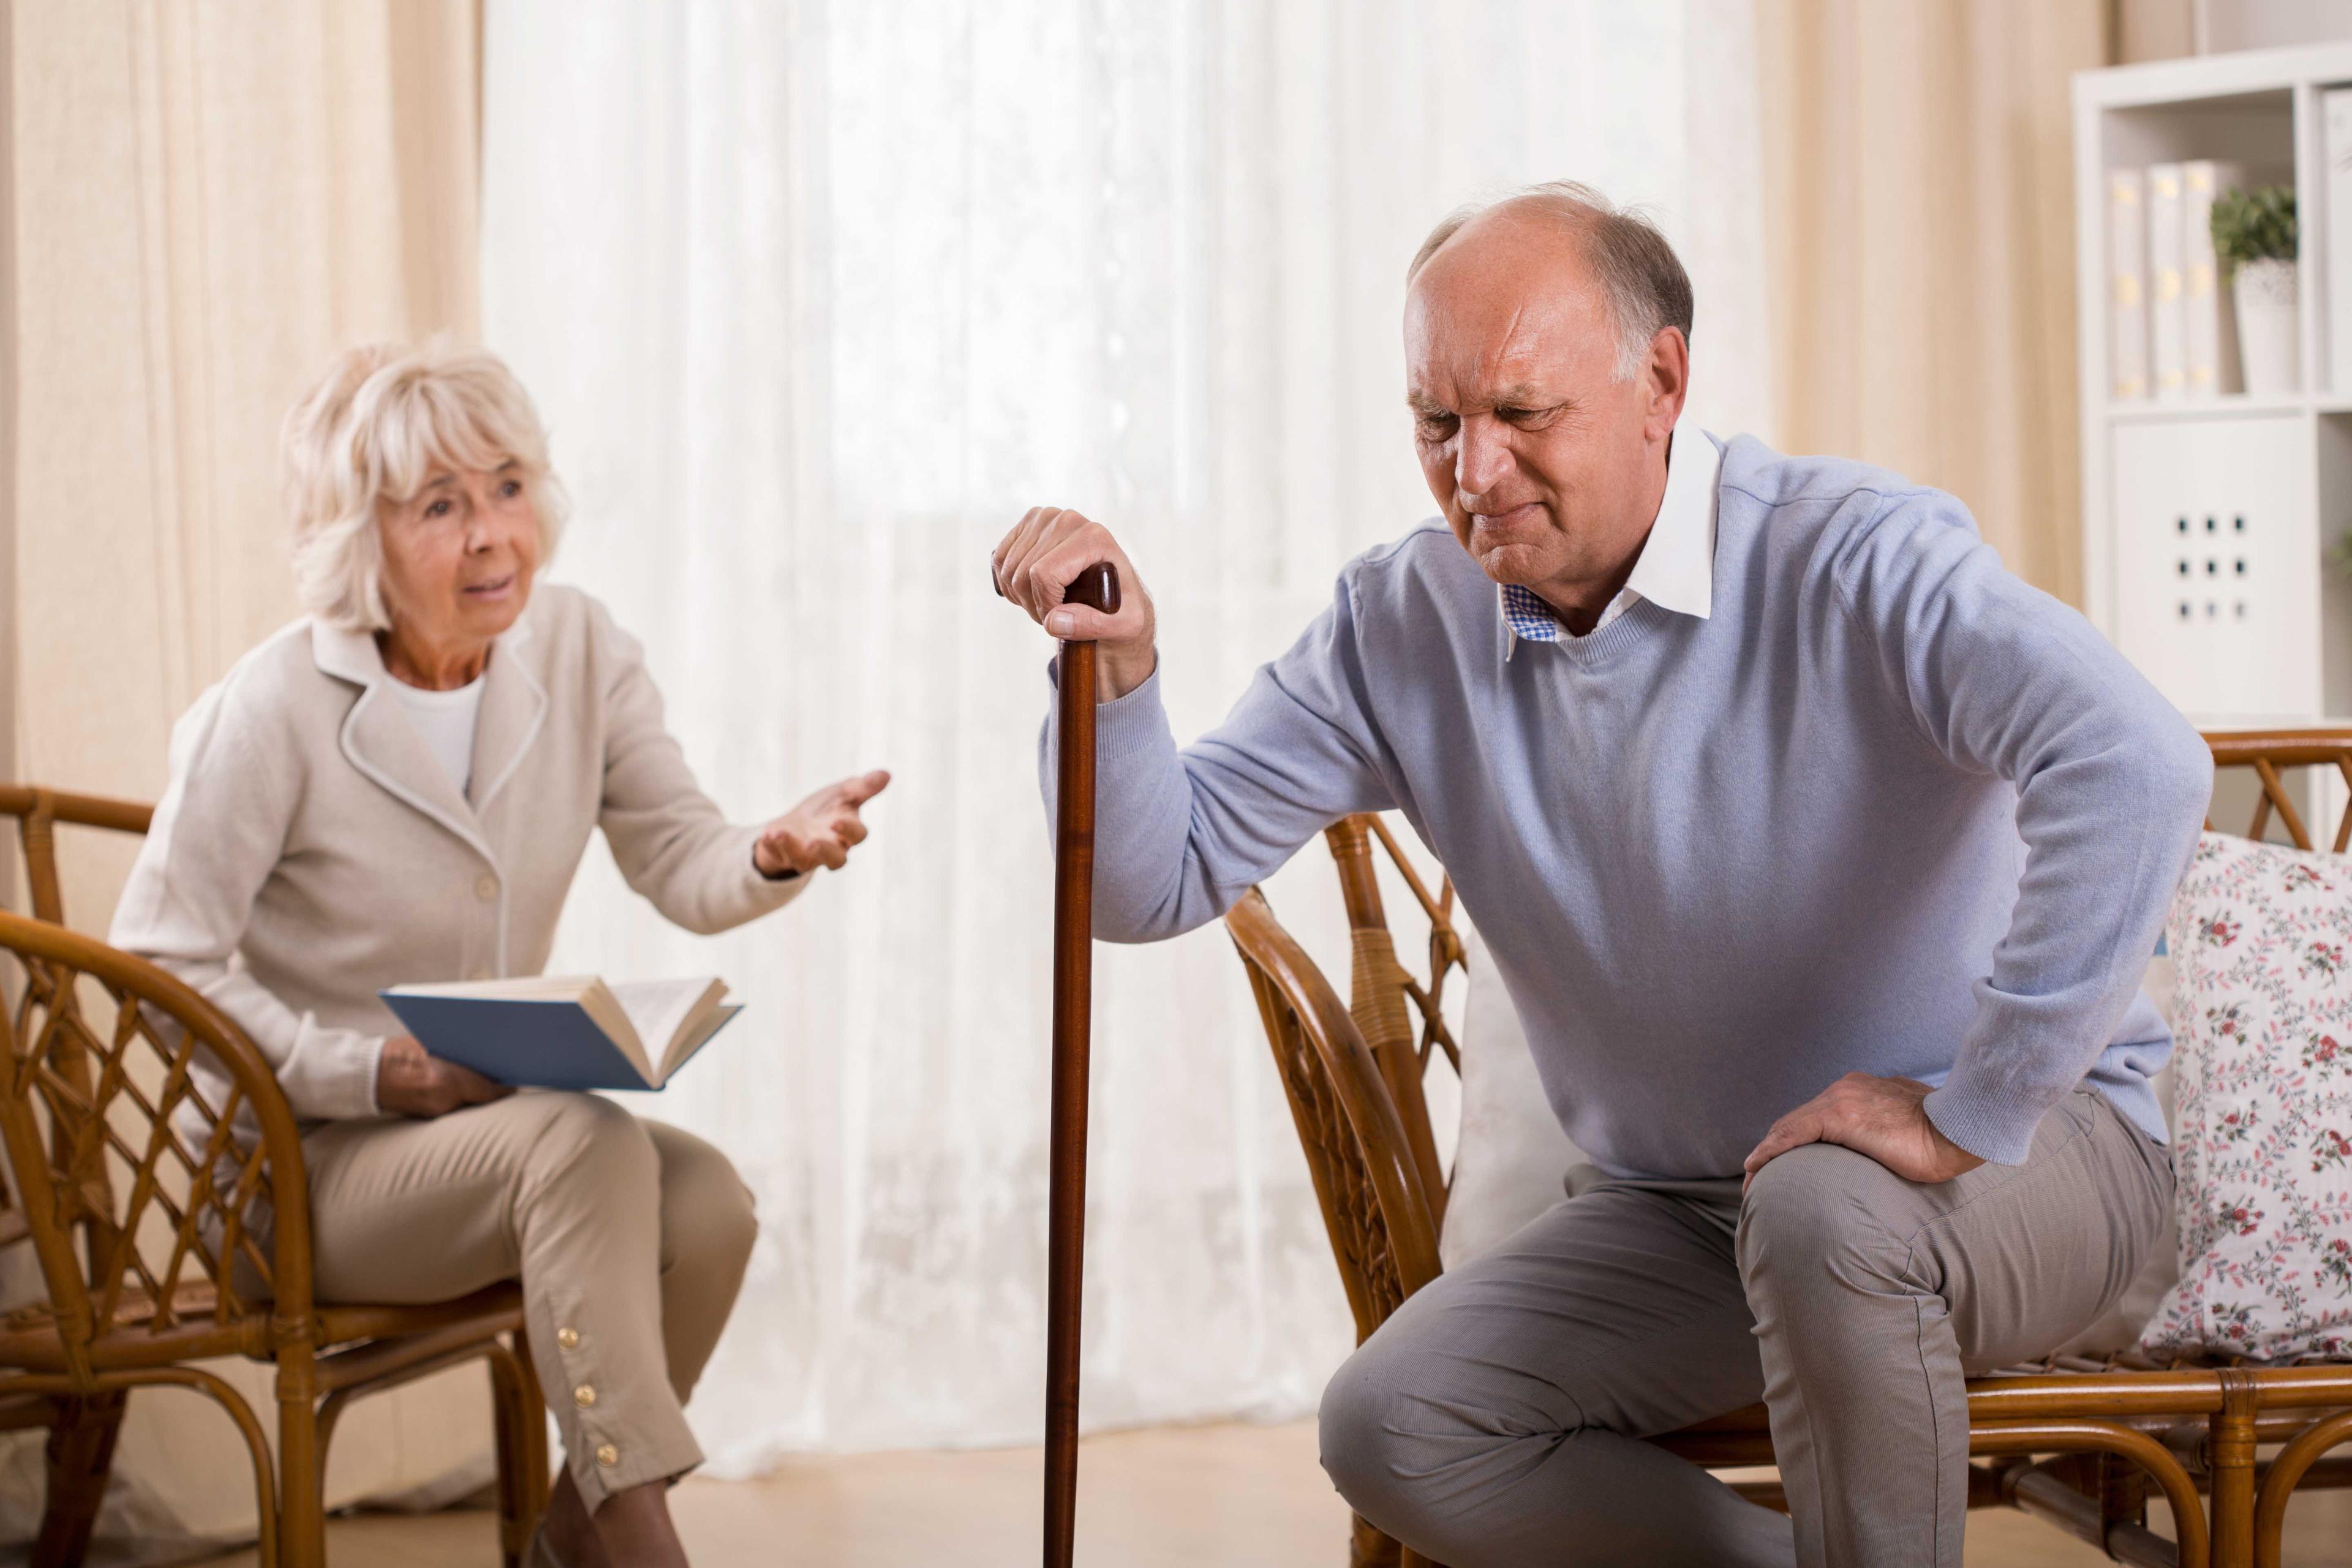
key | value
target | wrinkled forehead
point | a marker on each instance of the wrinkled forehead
(450, 476)
(1472, 330)
(430, 438)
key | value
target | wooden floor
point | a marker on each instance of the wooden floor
(1232, 1497)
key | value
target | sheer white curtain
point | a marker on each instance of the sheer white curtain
(817, 297)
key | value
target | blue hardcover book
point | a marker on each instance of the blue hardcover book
(566, 1031)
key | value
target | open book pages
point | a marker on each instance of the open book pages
(656, 1024)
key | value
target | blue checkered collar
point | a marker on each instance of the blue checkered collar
(1676, 568)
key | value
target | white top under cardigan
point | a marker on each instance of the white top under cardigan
(447, 721)
(311, 850)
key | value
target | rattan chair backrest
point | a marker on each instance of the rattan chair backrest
(1400, 1017)
(2270, 754)
(142, 1198)
(1376, 1210)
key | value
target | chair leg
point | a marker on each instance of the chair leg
(506, 1439)
(2124, 1491)
(521, 1427)
(1369, 1548)
(2230, 1448)
(81, 1454)
(301, 1481)
(532, 1400)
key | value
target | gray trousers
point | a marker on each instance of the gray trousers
(1496, 1419)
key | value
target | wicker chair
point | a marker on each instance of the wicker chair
(142, 1205)
(81, 1438)
(2081, 1443)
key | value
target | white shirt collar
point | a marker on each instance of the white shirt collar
(1676, 570)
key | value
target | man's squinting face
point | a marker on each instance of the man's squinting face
(1544, 461)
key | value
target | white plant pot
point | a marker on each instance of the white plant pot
(2270, 345)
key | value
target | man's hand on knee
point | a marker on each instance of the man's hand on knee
(1884, 1118)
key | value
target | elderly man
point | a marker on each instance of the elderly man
(1821, 858)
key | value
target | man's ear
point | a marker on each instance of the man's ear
(1666, 381)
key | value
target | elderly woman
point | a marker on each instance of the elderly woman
(398, 788)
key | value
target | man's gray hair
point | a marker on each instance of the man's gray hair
(1648, 289)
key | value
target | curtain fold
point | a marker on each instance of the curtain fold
(1918, 166)
(209, 201)
(10, 882)
(817, 297)
(204, 201)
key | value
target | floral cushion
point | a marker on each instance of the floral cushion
(2262, 1142)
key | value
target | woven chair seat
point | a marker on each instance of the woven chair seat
(195, 1298)
(137, 1335)
(29, 1337)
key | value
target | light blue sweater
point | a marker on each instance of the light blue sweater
(1887, 809)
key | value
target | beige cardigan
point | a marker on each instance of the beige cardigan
(311, 850)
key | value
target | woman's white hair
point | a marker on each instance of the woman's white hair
(376, 428)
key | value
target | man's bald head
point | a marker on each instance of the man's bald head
(1647, 287)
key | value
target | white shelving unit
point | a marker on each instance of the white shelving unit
(2206, 524)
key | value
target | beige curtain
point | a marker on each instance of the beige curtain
(204, 200)
(10, 888)
(1918, 167)
(209, 198)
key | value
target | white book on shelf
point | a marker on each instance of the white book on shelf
(2335, 119)
(2211, 326)
(2126, 285)
(2167, 314)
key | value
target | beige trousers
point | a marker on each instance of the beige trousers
(629, 1238)
(1496, 1420)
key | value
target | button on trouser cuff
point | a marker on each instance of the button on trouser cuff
(636, 1459)
(608, 1383)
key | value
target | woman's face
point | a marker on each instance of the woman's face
(459, 556)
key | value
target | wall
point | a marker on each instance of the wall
(203, 202)
(1918, 175)
(2226, 25)
(8, 619)
(208, 201)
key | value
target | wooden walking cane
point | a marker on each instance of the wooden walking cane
(1066, 1206)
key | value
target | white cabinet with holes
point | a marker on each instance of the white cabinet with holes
(2207, 519)
(2216, 562)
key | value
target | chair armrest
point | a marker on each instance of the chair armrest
(43, 1031)
(1300, 1008)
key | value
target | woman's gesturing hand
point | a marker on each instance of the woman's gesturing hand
(1034, 566)
(821, 830)
(412, 1081)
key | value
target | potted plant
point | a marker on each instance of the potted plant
(2253, 237)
